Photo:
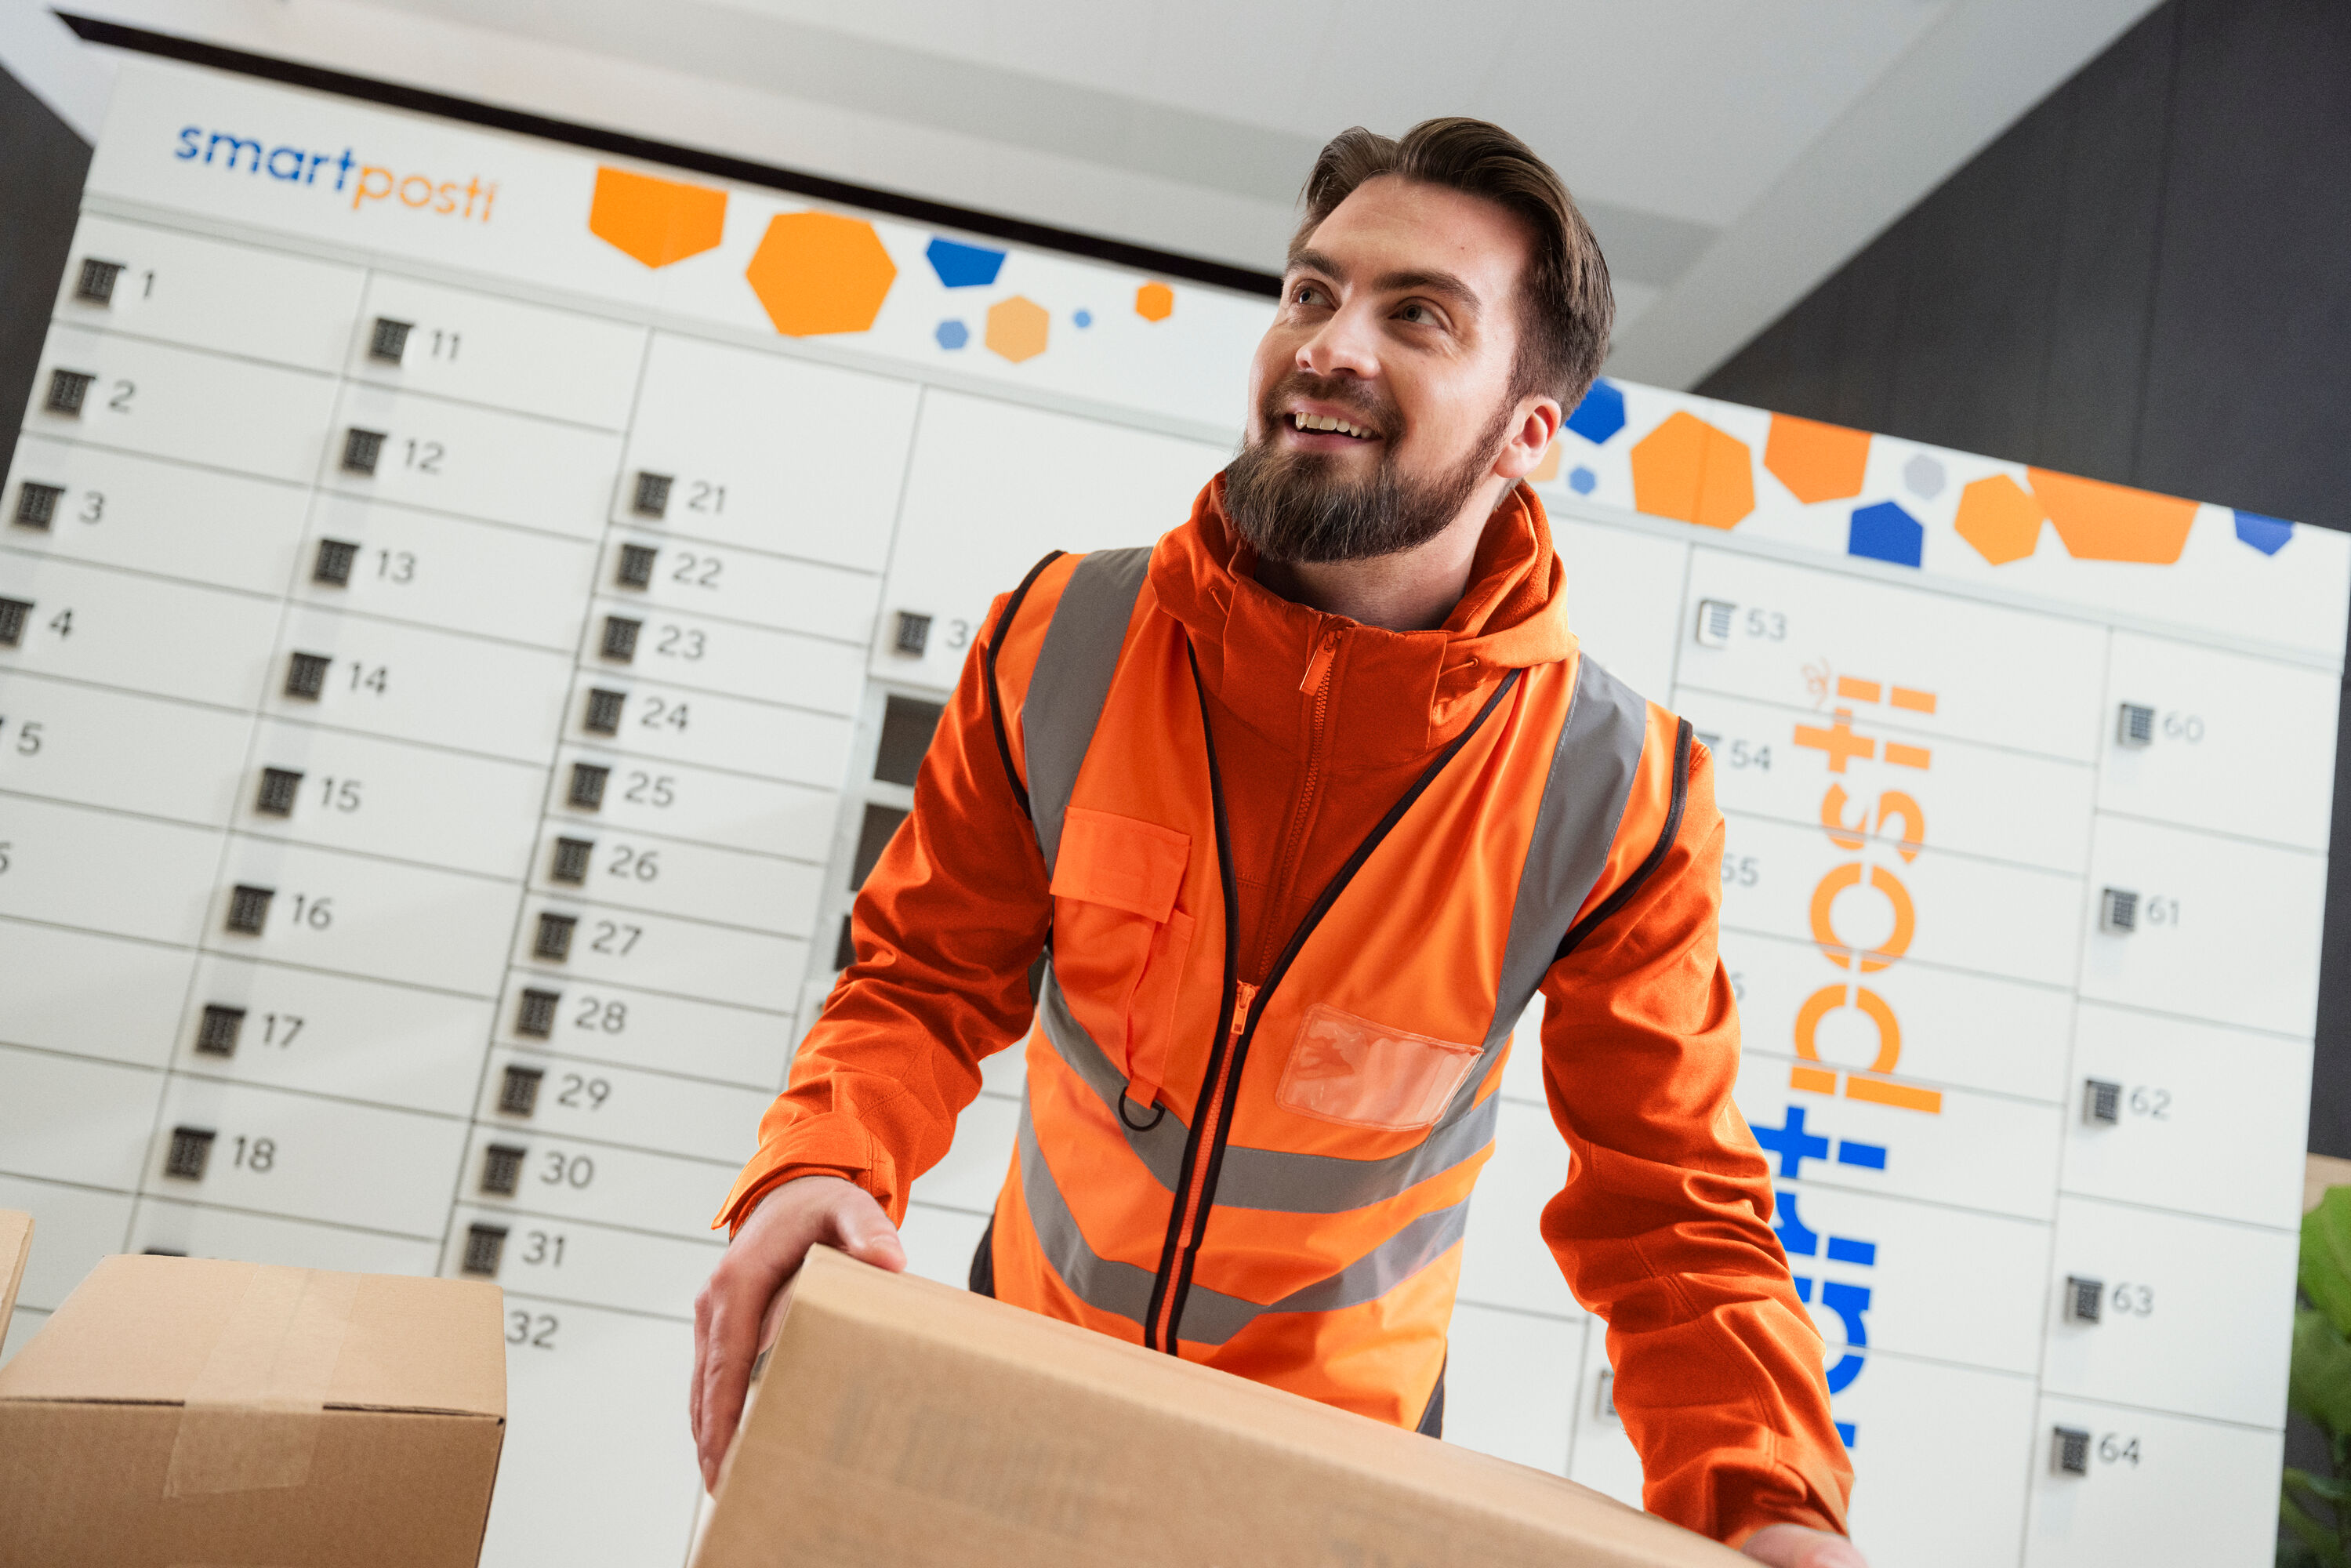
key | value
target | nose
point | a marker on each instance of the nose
(1342, 346)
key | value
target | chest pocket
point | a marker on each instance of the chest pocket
(1119, 940)
(1359, 1073)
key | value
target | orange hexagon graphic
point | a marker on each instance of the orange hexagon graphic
(1017, 326)
(1816, 461)
(821, 272)
(1547, 470)
(656, 221)
(1155, 302)
(2000, 519)
(2110, 522)
(1686, 468)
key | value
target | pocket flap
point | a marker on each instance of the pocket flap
(1119, 862)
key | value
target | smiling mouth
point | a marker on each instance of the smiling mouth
(1327, 424)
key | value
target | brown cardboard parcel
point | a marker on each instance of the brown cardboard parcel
(182, 1410)
(900, 1422)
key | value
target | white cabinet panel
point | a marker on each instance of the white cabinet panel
(67, 1118)
(1624, 600)
(213, 294)
(1923, 1435)
(390, 798)
(2237, 745)
(563, 1178)
(597, 1023)
(359, 915)
(332, 1034)
(432, 570)
(770, 453)
(1986, 801)
(659, 952)
(73, 1228)
(199, 1231)
(163, 519)
(1940, 908)
(974, 1170)
(184, 404)
(700, 805)
(2225, 930)
(101, 870)
(617, 1105)
(940, 1242)
(482, 348)
(2160, 1488)
(436, 687)
(1509, 1384)
(992, 487)
(1949, 1030)
(1522, 1078)
(170, 639)
(755, 737)
(573, 1261)
(746, 585)
(456, 457)
(2207, 1119)
(1981, 673)
(309, 1158)
(598, 1464)
(1863, 1146)
(661, 876)
(1504, 1259)
(77, 744)
(91, 995)
(703, 654)
(2194, 1314)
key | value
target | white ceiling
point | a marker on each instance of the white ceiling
(1730, 153)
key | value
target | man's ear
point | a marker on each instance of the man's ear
(1536, 425)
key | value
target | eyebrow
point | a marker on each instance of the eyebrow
(1424, 281)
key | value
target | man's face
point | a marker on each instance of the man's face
(1398, 326)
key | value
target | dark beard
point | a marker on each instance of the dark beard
(1293, 508)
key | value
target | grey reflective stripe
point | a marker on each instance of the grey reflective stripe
(1211, 1317)
(1072, 680)
(1583, 798)
(1275, 1180)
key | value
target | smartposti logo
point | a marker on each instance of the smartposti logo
(335, 173)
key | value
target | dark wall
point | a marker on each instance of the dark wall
(40, 191)
(2147, 279)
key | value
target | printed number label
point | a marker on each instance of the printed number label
(958, 634)
(1743, 754)
(2132, 1300)
(257, 1155)
(366, 677)
(664, 713)
(339, 794)
(544, 1250)
(2162, 911)
(575, 1171)
(424, 456)
(584, 1093)
(318, 914)
(8, 851)
(2187, 727)
(93, 505)
(701, 495)
(616, 938)
(1740, 870)
(650, 789)
(396, 566)
(680, 643)
(697, 571)
(1770, 625)
(601, 1015)
(2151, 1103)
(2115, 1448)
(537, 1330)
(632, 864)
(279, 1028)
(120, 401)
(28, 737)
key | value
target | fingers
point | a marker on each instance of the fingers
(860, 1229)
(1793, 1546)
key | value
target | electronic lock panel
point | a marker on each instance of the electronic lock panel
(471, 614)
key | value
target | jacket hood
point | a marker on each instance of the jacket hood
(1398, 694)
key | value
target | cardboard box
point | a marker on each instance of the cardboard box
(183, 1410)
(897, 1421)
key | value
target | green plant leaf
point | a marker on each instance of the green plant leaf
(2318, 1384)
(2326, 1489)
(2325, 1266)
(2316, 1537)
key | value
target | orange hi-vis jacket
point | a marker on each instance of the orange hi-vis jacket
(1294, 879)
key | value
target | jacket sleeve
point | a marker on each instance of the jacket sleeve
(946, 929)
(1664, 1227)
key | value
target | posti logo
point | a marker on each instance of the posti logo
(295, 167)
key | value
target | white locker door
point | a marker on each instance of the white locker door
(2157, 1488)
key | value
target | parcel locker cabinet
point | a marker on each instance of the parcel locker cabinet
(155, 518)
(154, 400)
(249, 301)
(466, 346)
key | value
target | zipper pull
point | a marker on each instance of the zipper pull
(1243, 995)
(1320, 664)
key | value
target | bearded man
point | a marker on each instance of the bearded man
(1291, 815)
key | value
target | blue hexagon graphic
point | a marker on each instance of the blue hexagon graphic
(1600, 415)
(2267, 535)
(964, 266)
(1886, 532)
(1582, 480)
(1083, 318)
(952, 334)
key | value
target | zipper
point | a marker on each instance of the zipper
(1294, 842)
(1212, 1118)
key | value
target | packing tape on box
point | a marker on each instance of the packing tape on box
(254, 1411)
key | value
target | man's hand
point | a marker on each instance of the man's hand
(732, 1309)
(1793, 1546)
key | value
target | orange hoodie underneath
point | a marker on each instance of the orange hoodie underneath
(1663, 1228)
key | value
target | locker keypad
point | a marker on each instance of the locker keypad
(305, 675)
(333, 564)
(37, 504)
(68, 389)
(2134, 725)
(636, 568)
(652, 497)
(502, 1168)
(1714, 622)
(914, 634)
(192, 1150)
(95, 282)
(2084, 1300)
(572, 860)
(388, 341)
(519, 1090)
(361, 450)
(552, 940)
(217, 1031)
(2069, 1451)
(535, 1016)
(2102, 1101)
(603, 711)
(483, 1245)
(13, 614)
(588, 785)
(278, 789)
(2117, 911)
(620, 644)
(248, 908)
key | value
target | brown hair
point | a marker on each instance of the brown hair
(1569, 305)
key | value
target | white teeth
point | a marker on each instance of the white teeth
(1326, 422)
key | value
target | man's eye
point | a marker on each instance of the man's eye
(1307, 294)
(1416, 314)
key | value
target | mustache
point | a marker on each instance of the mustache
(1365, 407)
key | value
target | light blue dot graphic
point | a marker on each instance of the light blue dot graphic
(953, 334)
(1582, 480)
(1083, 318)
